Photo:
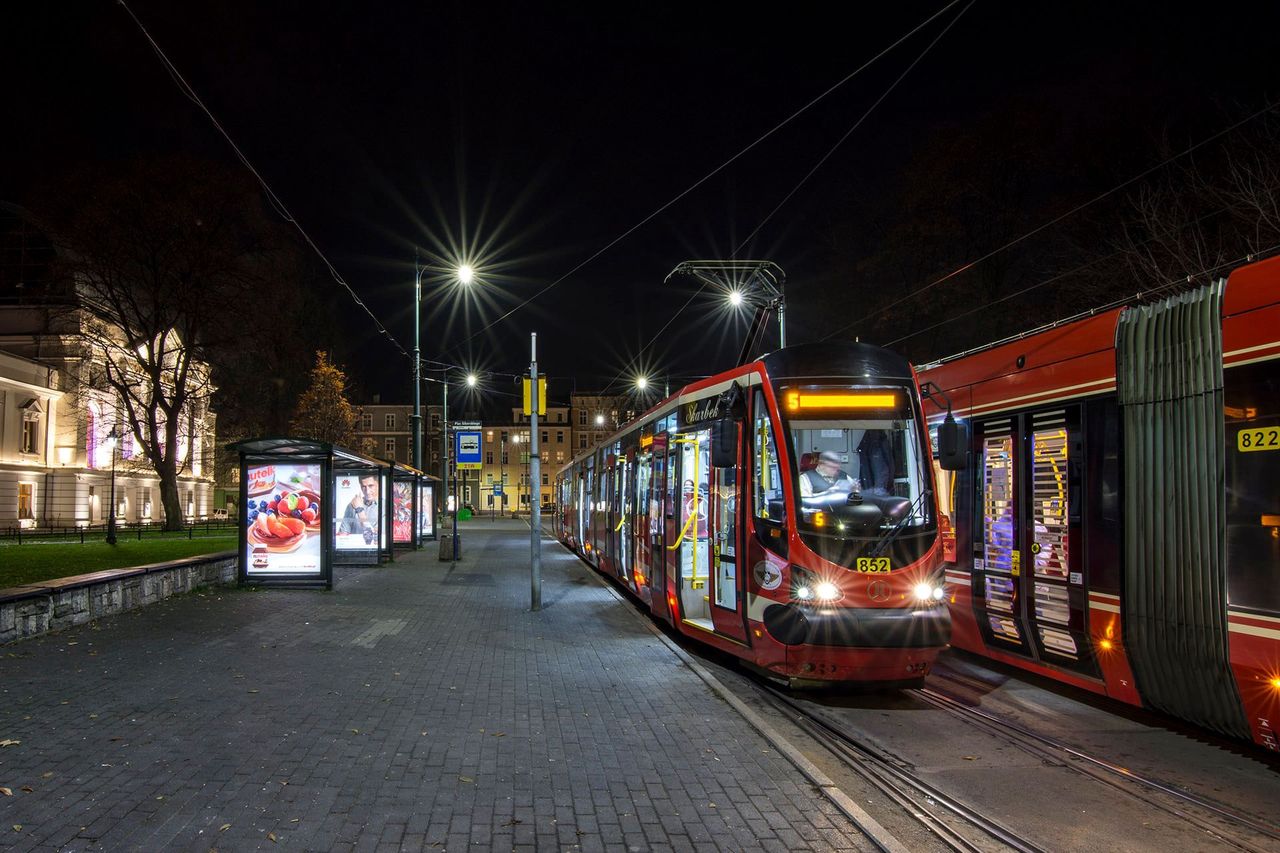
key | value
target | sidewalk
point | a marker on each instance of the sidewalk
(415, 706)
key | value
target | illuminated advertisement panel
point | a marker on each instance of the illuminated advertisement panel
(357, 502)
(402, 511)
(283, 518)
(426, 511)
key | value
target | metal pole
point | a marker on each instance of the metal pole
(416, 427)
(453, 551)
(111, 517)
(535, 479)
(782, 322)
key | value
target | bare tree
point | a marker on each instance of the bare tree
(171, 260)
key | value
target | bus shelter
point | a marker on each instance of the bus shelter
(428, 504)
(304, 501)
(412, 500)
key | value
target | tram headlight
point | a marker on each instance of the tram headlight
(927, 592)
(826, 591)
(803, 593)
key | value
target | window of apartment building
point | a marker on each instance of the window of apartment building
(582, 441)
(559, 417)
(26, 499)
(389, 421)
(435, 421)
(560, 456)
(546, 479)
(389, 447)
(366, 422)
(146, 501)
(544, 436)
(504, 458)
(488, 457)
(559, 436)
(582, 417)
(490, 478)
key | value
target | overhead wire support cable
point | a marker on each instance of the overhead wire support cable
(717, 170)
(821, 160)
(1055, 220)
(190, 93)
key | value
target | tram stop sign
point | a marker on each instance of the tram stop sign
(467, 449)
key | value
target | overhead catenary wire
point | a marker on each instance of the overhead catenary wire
(186, 89)
(717, 170)
(1055, 220)
(812, 171)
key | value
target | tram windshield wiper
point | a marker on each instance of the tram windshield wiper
(886, 539)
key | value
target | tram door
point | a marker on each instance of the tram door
(692, 545)
(644, 516)
(1028, 581)
(582, 512)
(659, 518)
(726, 583)
(622, 520)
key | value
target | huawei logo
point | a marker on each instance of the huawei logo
(878, 591)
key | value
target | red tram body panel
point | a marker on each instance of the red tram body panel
(781, 512)
(1118, 527)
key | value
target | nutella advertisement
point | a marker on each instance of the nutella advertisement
(283, 517)
(357, 502)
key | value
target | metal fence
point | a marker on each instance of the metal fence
(135, 530)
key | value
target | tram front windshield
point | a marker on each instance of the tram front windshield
(860, 475)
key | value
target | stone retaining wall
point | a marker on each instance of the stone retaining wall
(29, 611)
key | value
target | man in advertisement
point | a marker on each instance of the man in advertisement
(361, 514)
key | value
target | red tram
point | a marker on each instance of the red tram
(1119, 526)
(782, 511)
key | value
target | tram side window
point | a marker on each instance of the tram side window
(767, 493)
(1251, 396)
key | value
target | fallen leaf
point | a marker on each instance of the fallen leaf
(970, 757)
(224, 827)
(271, 836)
(27, 789)
(17, 827)
(48, 775)
(355, 731)
(161, 797)
(117, 737)
(499, 734)
(513, 821)
(6, 791)
(4, 743)
(465, 779)
(255, 690)
(295, 820)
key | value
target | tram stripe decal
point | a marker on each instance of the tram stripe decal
(1237, 628)
(1104, 596)
(1256, 617)
(959, 580)
(1110, 608)
(1011, 402)
(1269, 345)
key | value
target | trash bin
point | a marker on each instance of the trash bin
(447, 547)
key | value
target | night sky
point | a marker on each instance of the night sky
(542, 132)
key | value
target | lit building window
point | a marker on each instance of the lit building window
(389, 421)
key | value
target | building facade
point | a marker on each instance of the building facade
(385, 430)
(58, 416)
(596, 416)
(503, 483)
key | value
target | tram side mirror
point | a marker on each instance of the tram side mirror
(724, 443)
(952, 445)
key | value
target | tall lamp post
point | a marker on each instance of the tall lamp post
(113, 438)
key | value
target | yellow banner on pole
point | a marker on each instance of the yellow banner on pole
(542, 396)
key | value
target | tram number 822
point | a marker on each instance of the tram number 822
(1249, 440)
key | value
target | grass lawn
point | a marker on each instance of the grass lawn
(33, 562)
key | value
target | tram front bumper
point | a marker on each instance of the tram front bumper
(859, 627)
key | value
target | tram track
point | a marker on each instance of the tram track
(921, 800)
(1108, 773)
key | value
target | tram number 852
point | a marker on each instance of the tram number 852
(1258, 439)
(873, 565)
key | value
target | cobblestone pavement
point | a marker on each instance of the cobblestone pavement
(414, 707)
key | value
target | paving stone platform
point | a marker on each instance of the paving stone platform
(416, 706)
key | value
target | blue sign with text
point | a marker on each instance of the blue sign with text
(466, 449)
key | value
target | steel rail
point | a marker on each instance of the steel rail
(1100, 769)
(859, 756)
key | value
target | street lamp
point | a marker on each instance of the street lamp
(734, 275)
(112, 439)
(465, 275)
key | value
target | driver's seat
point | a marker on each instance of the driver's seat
(808, 461)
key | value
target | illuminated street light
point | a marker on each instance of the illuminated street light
(599, 420)
(642, 383)
(471, 380)
(735, 298)
(466, 274)
(112, 439)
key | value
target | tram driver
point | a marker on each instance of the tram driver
(827, 476)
